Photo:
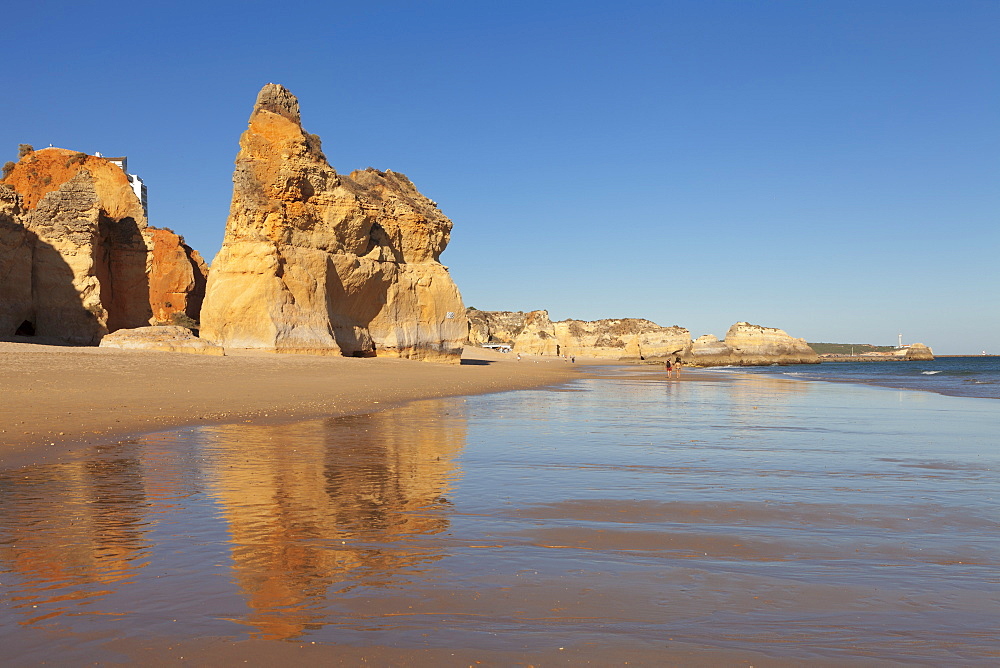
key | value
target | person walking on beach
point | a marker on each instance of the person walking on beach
(677, 368)
(667, 367)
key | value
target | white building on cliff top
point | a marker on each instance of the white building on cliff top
(138, 187)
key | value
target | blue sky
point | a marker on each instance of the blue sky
(829, 168)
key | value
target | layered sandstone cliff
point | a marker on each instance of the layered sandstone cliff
(626, 338)
(534, 333)
(177, 277)
(93, 264)
(634, 338)
(315, 261)
(15, 262)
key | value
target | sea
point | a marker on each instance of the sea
(842, 514)
(969, 376)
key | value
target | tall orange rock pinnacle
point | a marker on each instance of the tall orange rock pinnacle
(319, 262)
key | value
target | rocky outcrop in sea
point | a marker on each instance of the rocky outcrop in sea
(749, 345)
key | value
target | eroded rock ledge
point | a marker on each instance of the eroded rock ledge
(168, 338)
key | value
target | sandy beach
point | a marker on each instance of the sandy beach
(58, 396)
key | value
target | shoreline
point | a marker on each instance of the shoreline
(59, 397)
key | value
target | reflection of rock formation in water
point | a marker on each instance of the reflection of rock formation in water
(331, 504)
(72, 530)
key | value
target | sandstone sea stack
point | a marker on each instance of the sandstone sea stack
(77, 257)
(315, 261)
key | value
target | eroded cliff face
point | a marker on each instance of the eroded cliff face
(93, 264)
(72, 266)
(628, 338)
(635, 338)
(534, 333)
(531, 332)
(45, 170)
(315, 261)
(15, 262)
(177, 276)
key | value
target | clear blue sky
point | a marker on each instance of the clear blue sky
(831, 168)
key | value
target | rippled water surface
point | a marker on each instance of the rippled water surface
(971, 376)
(807, 521)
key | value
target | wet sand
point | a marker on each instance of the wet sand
(56, 397)
(741, 520)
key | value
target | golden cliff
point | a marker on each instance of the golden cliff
(315, 261)
(77, 259)
(636, 339)
(15, 262)
(534, 333)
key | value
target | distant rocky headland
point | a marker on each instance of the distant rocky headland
(312, 262)
(916, 352)
(634, 339)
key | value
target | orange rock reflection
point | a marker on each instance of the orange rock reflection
(71, 531)
(322, 507)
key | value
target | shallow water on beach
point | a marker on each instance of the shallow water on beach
(811, 522)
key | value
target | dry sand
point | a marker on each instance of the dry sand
(55, 396)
